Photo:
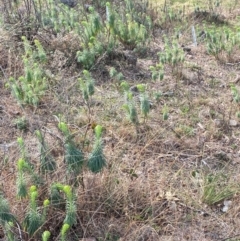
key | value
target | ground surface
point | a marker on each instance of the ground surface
(153, 186)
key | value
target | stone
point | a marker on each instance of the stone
(233, 123)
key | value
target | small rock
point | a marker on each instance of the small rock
(173, 206)
(233, 123)
(227, 204)
(187, 49)
(168, 94)
(218, 122)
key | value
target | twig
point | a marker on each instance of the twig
(19, 230)
(230, 237)
(52, 134)
(232, 64)
(5, 77)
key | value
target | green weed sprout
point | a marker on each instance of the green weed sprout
(64, 128)
(46, 235)
(235, 93)
(87, 88)
(71, 209)
(93, 46)
(33, 219)
(5, 213)
(21, 179)
(125, 87)
(157, 72)
(6, 218)
(130, 33)
(165, 112)
(221, 43)
(22, 147)
(173, 56)
(116, 76)
(64, 231)
(8, 228)
(92, 27)
(128, 30)
(46, 204)
(130, 108)
(40, 54)
(47, 162)
(236, 96)
(73, 156)
(30, 87)
(21, 123)
(96, 160)
(55, 197)
(144, 101)
(86, 85)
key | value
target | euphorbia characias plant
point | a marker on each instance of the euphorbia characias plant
(46, 235)
(71, 209)
(96, 160)
(64, 231)
(21, 182)
(73, 155)
(33, 220)
(144, 101)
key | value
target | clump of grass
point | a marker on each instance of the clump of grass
(21, 123)
(217, 188)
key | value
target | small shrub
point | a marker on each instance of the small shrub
(221, 43)
(29, 88)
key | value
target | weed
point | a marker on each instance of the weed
(165, 112)
(87, 88)
(21, 123)
(157, 72)
(172, 56)
(221, 43)
(30, 87)
(116, 76)
(184, 130)
(216, 189)
(46, 235)
(96, 160)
